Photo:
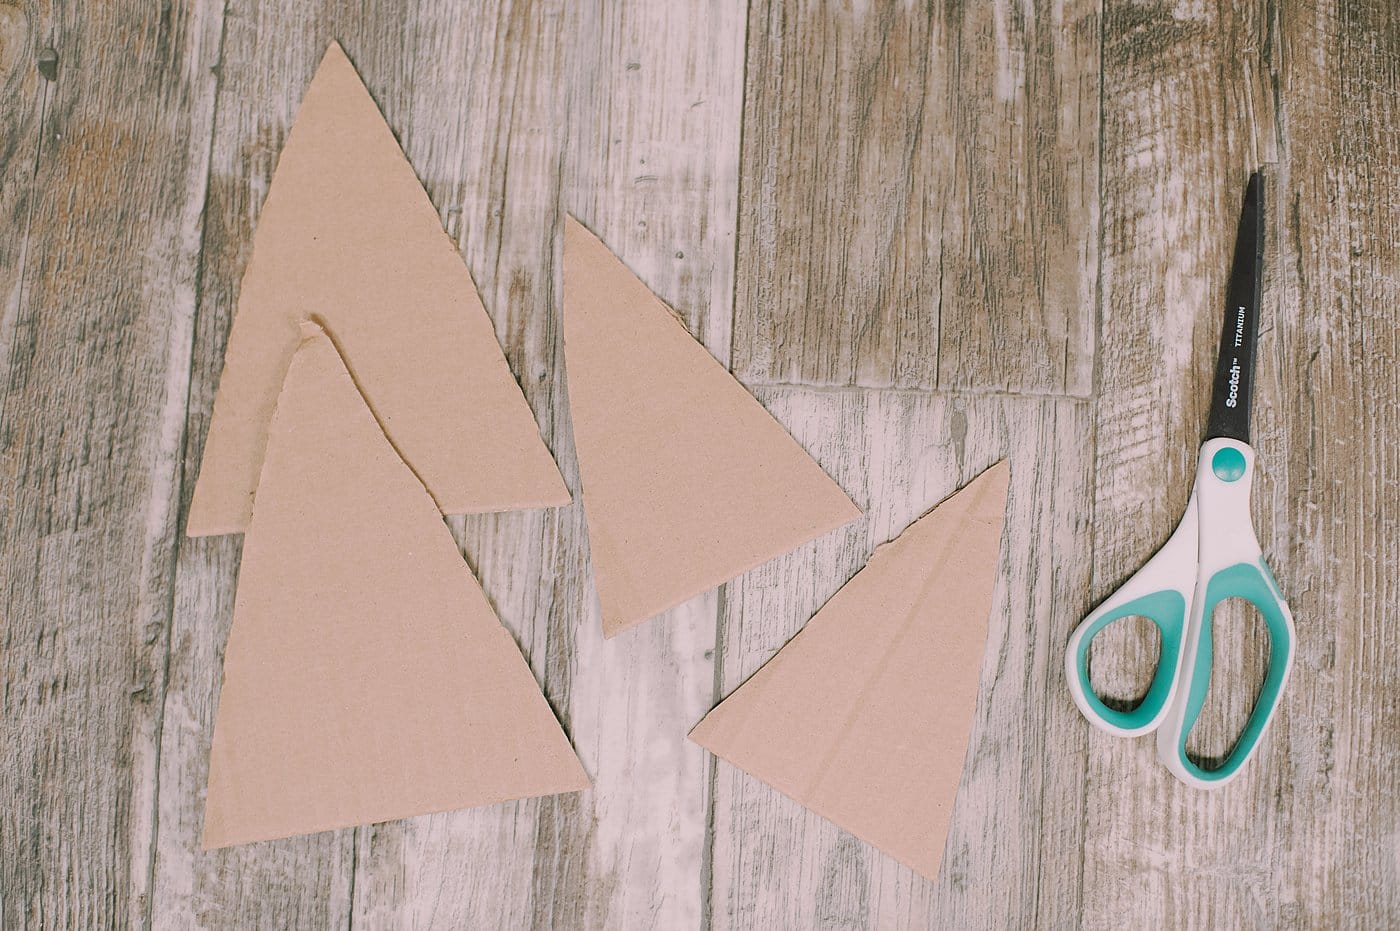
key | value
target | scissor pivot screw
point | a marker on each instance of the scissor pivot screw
(1228, 464)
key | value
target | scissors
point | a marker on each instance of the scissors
(1212, 555)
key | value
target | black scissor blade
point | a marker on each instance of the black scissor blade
(1234, 368)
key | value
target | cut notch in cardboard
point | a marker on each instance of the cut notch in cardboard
(686, 480)
(864, 717)
(366, 677)
(347, 235)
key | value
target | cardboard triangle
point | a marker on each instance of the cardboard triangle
(366, 677)
(686, 480)
(864, 716)
(348, 237)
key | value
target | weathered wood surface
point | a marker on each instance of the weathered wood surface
(929, 237)
(104, 160)
(918, 195)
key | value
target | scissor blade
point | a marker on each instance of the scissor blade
(1234, 368)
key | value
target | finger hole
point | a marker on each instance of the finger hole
(1239, 662)
(1122, 661)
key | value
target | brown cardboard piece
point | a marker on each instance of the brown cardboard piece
(348, 237)
(686, 480)
(864, 716)
(366, 677)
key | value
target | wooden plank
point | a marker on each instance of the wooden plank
(29, 91)
(656, 92)
(1192, 103)
(919, 195)
(105, 163)
(1012, 858)
(1330, 508)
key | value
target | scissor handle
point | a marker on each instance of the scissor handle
(1231, 566)
(1160, 591)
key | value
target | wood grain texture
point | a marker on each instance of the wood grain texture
(96, 355)
(1335, 511)
(919, 195)
(931, 222)
(105, 179)
(899, 454)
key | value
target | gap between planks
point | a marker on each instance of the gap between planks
(929, 392)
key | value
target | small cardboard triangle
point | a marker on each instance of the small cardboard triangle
(864, 716)
(348, 237)
(366, 677)
(687, 481)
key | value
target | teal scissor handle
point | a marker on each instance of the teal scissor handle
(1231, 566)
(1165, 609)
(1161, 592)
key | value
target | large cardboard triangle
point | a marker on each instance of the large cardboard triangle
(687, 481)
(347, 236)
(864, 716)
(366, 677)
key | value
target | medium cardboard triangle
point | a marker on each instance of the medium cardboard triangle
(366, 677)
(864, 716)
(687, 480)
(348, 236)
